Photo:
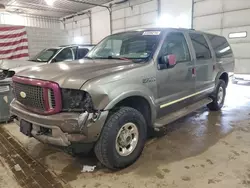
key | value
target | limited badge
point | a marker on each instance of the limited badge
(23, 94)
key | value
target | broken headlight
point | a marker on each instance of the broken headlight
(6, 74)
(76, 101)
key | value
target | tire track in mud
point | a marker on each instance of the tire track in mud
(28, 172)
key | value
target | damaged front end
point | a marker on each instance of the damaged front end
(77, 121)
(5, 73)
(76, 101)
(90, 120)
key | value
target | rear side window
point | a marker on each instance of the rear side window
(201, 47)
(221, 46)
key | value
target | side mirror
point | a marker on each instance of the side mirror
(171, 61)
(167, 61)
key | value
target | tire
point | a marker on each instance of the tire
(106, 148)
(218, 102)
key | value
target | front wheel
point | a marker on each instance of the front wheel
(218, 97)
(123, 138)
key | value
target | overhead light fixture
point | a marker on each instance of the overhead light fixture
(50, 2)
(238, 35)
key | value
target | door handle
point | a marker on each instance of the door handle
(193, 72)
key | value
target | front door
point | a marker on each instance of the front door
(175, 84)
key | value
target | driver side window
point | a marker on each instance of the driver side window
(176, 44)
(65, 54)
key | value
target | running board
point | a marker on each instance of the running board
(181, 113)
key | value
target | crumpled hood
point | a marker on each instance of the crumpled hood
(74, 74)
(10, 64)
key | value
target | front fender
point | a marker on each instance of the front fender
(132, 90)
(106, 96)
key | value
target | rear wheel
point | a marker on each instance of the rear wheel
(122, 139)
(218, 97)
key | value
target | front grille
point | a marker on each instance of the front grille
(40, 96)
(52, 99)
(34, 96)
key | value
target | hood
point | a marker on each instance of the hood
(10, 64)
(74, 74)
(22, 68)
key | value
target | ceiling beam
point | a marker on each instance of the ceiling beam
(40, 8)
(46, 7)
(87, 3)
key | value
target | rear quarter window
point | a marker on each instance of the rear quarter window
(221, 46)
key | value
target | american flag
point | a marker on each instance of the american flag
(13, 42)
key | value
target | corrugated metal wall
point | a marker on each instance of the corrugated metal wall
(226, 17)
(135, 15)
(30, 21)
(130, 15)
(79, 26)
(41, 38)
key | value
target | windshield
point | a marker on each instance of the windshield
(45, 55)
(130, 45)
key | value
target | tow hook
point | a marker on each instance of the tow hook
(96, 116)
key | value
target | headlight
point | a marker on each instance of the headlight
(76, 101)
(6, 74)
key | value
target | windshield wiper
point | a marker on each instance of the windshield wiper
(119, 58)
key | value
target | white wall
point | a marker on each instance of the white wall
(40, 38)
(131, 15)
(30, 21)
(224, 17)
(79, 26)
(177, 13)
(100, 24)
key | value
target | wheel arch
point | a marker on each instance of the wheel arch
(223, 76)
(143, 104)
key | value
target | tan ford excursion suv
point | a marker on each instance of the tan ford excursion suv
(130, 83)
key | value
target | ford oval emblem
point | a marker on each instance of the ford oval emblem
(23, 94)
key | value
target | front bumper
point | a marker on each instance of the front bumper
(6, 97)
(63, 128)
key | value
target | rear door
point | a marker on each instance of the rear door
(175, 84)
(204, 62)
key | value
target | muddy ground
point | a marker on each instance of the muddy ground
(204, 149)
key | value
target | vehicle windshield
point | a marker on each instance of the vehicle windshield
(45, 55)
(136, 45)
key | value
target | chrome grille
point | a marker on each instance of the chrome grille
(52, 100)
(34, 96)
